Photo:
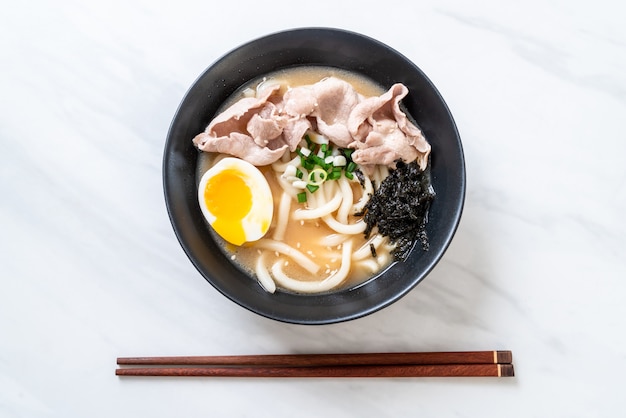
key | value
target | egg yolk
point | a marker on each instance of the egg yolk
(229, 199)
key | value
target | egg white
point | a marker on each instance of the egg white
(257, 221)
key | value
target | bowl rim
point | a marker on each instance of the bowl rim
(190, 245)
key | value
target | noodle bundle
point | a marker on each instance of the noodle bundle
(329, 258)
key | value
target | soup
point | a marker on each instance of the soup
(317, 239)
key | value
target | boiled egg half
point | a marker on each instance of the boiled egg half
(236, 200)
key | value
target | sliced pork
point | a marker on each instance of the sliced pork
(327, 104)
(250, 129)
(382, 132)
(260, 129)
(335, 100)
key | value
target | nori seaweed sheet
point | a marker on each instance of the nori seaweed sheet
(399, 208)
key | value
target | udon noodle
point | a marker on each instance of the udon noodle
(317, 246)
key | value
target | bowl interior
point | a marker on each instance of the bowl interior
(314, 46)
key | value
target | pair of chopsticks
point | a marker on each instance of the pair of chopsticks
(403, 364)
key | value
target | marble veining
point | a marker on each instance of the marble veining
(91, 268)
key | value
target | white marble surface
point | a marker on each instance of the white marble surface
(91, 269)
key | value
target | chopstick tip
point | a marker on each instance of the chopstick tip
(504, 357)
(506, 370)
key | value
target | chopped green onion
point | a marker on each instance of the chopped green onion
(339, 161)
(301, 197)
(321, 174)
(317, 160)
(319, 163)
(308, 164)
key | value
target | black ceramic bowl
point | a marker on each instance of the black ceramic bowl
(312, 46)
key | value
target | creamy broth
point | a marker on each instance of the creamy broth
(306, 236)
(301, 76)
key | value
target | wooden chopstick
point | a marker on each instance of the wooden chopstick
(415, 364)
(340, 359)
(425, 370)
